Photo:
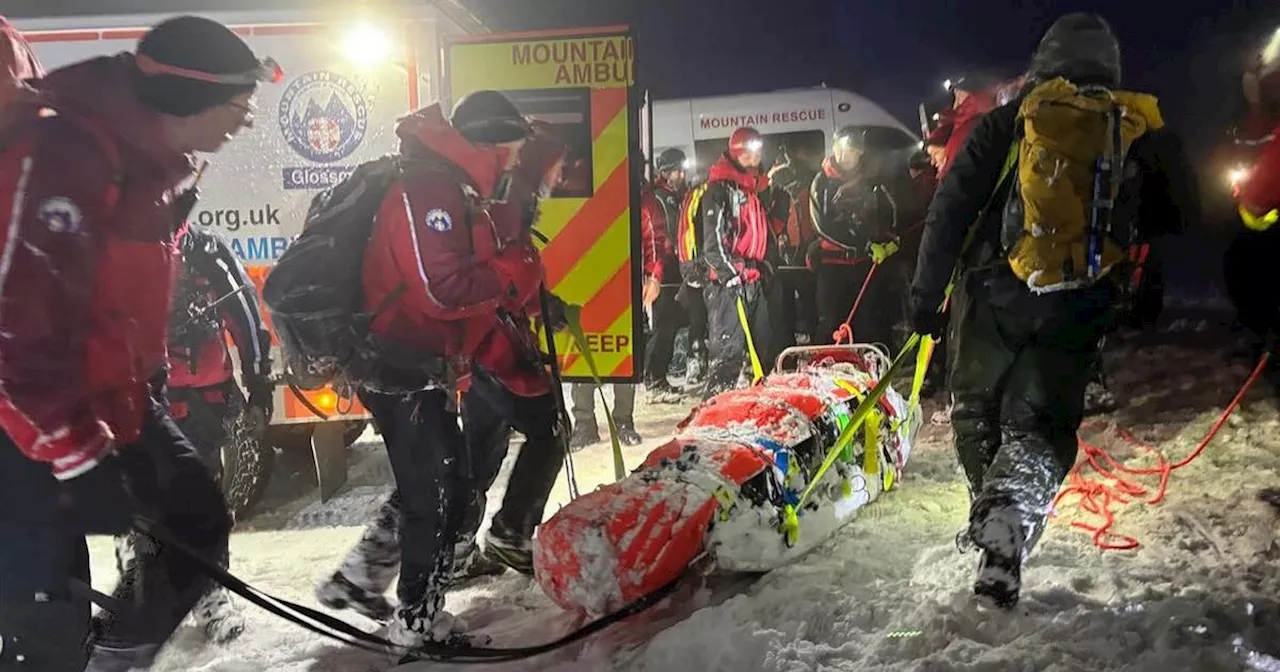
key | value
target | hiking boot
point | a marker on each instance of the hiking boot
(219, 617)
(338, 592)
(628, 436)
(662, 392)
(998, 532)
(419, 626)
(470, 566)
(583, 435)
(510, 550)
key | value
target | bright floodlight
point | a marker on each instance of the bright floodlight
(365, 43)
(1238, 175)
(946, 86)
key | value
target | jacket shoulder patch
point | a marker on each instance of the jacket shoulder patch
(439, 220)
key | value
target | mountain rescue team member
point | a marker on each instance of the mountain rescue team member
(971, 99)
(1020, 360)
(734, 232)
(662, 212)
(87, 444)
(456, 235)
(792, 230)
(213, 296)
(1251, 271)
(855, 216)
(659, 302)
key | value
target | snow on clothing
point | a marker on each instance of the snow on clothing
(83, 335)
(1019, 362)
(209, 272)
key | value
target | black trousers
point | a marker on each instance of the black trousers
(727, 347)
(695, 305)
(584, 404)
(837, 289)
(429, 459)
(668, 317)
(490, 412)
(43, 556)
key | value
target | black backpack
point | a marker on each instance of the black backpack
(315, 292)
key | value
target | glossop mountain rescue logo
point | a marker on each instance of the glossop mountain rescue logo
(323, 116)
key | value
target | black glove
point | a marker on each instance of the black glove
(926, 320)
(261, 393)
(98, 501)
(555, 317)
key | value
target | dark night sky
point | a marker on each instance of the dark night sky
(898, 51)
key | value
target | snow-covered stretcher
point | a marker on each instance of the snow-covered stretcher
(726, 488)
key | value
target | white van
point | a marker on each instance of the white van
(802, 120)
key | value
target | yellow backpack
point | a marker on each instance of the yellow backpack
(1058, 232)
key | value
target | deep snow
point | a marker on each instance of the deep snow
(890, 592)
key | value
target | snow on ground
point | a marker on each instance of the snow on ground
(890, 592)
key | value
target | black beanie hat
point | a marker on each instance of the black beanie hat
(489, 118)
(192, 43)
(1080, 47)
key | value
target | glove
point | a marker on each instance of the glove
(881, 251)
(652, 287)
(557, 317)
(520, 269)
(926, 320)
(261, 393)
(98, 501)
(750, 275)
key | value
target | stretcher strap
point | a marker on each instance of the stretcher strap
(573, 316)
(757, 371)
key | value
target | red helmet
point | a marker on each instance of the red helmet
(744, 141)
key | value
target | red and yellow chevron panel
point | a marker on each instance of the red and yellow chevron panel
(582, 82)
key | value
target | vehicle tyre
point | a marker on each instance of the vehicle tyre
(247, 461)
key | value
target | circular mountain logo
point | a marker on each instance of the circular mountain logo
(323, 116)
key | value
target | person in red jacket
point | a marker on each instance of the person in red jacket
(734, 237)
(87, 446)
(452, 274)
(972, 99)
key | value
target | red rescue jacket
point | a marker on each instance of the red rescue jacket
(1259, 193)
(654, 246)
(88, 263)
(956, 124)
(449, 257)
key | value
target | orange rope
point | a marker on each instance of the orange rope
(1099, 496)
(845, 332)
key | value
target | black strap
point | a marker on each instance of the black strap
(336, 629)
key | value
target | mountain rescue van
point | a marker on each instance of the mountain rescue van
(802, 120)
(348, 75)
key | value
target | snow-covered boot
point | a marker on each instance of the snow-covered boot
(510, 549)
(219, 617)
(429, 623)
(109, 659)
(627, 434)
(361, 582)
(470, 565)
(1098, 399)
(339, 592)
(583, 435)
(696, 369)
(997, 529)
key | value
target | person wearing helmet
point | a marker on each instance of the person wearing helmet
(87, 445)
(668, 189)
(972, 97)
(856, 217)
(658, 201)
(734, 238)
